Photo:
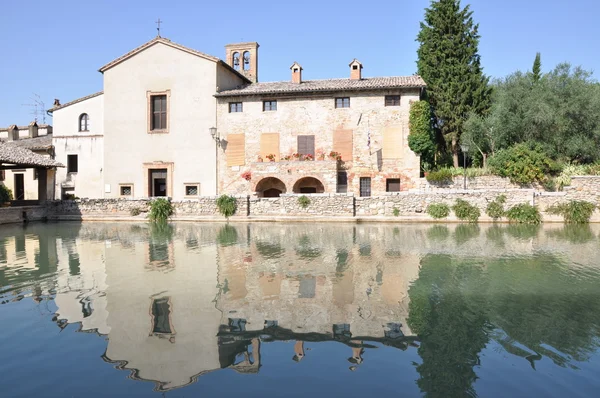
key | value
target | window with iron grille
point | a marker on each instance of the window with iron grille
(235, 107)
(126, 190)
(392, 100)
(269, 106)
(159, 112)
(191, 190)
(365, 186)
(343, 102)
(72, 164)
(392, 185)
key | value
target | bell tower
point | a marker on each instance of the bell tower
(243, 57)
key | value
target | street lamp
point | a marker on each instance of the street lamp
(465, 150)
(215, 135)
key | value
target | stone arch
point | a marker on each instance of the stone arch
(270, 187)
(308, 185)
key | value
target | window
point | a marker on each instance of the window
(246, 58)
(72, 164)
(161, 314)
(306, 145)
(159, 112)
(392, 100)
(343, 102)
(235, 107)
(392, 185)
(342, 181)
(126, 190)
(269, 106)
(84, 122)
(192, 190)
(236, 61)
(365, 186)
(2, 175)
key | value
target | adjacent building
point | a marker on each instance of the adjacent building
(172, 121)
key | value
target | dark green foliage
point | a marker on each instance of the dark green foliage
(466, 211)
(523, 164)
(227, 205)
(574, 212)
(536, 71)
(574, 233)
(421, 139)
(396, 212)
(303, 201)
(438, 233)
(465, 232)
(449, 62)
(135, 211)
(227, 235)
(160, 210)
(438, 210)
(524, 213)
(495, 209)
(440, 177)
(5, 194)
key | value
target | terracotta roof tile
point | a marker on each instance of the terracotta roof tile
(13, 154)
(327, 85)
(35, 144)
(76, 101)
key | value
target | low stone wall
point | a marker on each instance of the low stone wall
(476, 183)
(10, 215)
(410, 203)
(320, 205)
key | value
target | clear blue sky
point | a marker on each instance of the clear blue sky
(54, 48)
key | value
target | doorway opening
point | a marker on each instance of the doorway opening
(19, 186)
(157, 184)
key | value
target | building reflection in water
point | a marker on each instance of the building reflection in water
(178, 302)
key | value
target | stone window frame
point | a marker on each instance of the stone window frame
(387, 182)
(191, 184)
(342, 102)
(149, 115)
(158, 165)
(392, 100)
(272, 105)
(235, 107)
(123, 185)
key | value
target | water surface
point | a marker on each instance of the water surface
(102, 309)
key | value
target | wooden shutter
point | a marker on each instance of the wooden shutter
(306, 145)
(236, 150)
(342, 143)
(392, 142)
(269, 144)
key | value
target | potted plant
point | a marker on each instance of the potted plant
(271, 157)
(296, 156)
(335, 155)
(321, 155)
(260, 159)
(309, 157)
(5, 195)
(246, 175)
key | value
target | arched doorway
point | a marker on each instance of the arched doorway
(308, 185)
(270, 187)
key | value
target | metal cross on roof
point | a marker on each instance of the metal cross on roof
(158, 27)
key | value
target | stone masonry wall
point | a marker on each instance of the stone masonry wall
(320, 205)
(481, 182)
(367, 118)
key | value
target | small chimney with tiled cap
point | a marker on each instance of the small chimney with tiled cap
(33, 129)
(355, 70)
(296, 73)
(56, 102)
(13, 133)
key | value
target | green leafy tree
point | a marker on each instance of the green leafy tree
(537, 68)
(421, 139)
(449, 62)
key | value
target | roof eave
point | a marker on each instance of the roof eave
(316, 91)
(229, 68)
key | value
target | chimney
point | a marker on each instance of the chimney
(296, 73)
(56, 102)
(13, 133)
(33, 129)
(355, 70)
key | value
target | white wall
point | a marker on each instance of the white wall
(89, 146)
(192, 82)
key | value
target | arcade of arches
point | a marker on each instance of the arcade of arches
(272, 187)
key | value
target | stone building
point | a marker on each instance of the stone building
(23, 182)
(172, 121)
(317, 136)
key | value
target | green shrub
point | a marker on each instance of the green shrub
(524, 213)
(574, 212)
(466, 211)
(552, 184)
(495, 209)
(160, 210)
(135, 212)
(441, 176)
(227, 205)
(396, 212)
(303, 201)
(438, 210)
(522, 164)
(5, 194)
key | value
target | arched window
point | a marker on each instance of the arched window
(236, 61)
(246, 60)
(84, 122)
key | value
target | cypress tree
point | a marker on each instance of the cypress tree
(537, 67)
(449, 62)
